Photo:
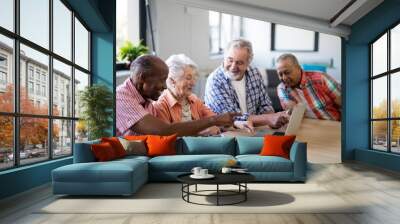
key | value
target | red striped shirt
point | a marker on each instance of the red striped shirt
(318, 91)
(131, 108)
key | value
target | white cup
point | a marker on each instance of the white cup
(226, 170)
(196, 170)
(203, 172)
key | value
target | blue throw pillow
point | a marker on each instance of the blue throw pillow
(208, 145)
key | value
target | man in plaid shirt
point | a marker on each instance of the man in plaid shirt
(235, 86)
(318, 91)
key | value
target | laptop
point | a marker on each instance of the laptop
(293, 125)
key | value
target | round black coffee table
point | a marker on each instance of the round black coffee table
(238, 179)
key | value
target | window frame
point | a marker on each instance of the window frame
(388, 74)
(273, 38)
(16, 115)
(220, 47)
(3, 71)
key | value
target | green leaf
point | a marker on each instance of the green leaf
(128, 51)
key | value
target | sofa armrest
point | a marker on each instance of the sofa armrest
(298, 155)
(83, 152)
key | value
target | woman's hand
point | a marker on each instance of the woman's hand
(245, 125)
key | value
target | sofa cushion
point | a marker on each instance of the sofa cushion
(118, 177)
(185, 163)
(103, 152)
(112, 171)
(257, 163)
(83, 152)
(161, 145)
(206, 145)
(116, 145)
(277, 145)
(249, 145)
(134, 147)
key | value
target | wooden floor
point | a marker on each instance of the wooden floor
(378, 189)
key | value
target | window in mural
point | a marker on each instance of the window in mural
(223, 28)
(43, 112)
(385, 96)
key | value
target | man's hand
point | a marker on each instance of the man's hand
(245, 125)
(225, 119)
(279, 119)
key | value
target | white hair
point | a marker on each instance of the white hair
(177, 64)
(240, 43)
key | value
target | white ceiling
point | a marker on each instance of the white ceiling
(306, 14)
(320, 9)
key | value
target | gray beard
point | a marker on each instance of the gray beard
(232, 77)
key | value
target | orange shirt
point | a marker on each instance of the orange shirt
(169, 110)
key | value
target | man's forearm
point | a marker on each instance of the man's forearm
(150, 125)
(189, 127)
(154, 126)
(261, 119)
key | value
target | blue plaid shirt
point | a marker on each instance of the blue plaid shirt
(221, 97)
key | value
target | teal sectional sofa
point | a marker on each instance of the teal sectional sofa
(125, 176)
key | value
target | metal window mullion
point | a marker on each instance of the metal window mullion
(81, 68)
(89, 59)
(151, 26)
(89, 53)
(114, 83)
(386, 119)
(273, 37)
(16, 84)
(73, 82)
(371, 133)
(7, 33)
(389, 101)
(50, 81)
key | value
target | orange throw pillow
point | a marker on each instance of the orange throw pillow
(116, 145)
(135, 137)
(103, 152)
(275, 145)
(161, 145)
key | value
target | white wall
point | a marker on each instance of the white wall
(259, 33)
(180, 29)
(127, 21)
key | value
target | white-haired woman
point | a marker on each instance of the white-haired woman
(178, 103)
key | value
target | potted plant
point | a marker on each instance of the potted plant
(96, 102)
(128, 52)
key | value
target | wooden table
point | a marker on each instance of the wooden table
(323, 139)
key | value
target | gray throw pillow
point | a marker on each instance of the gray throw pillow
(134, 147)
